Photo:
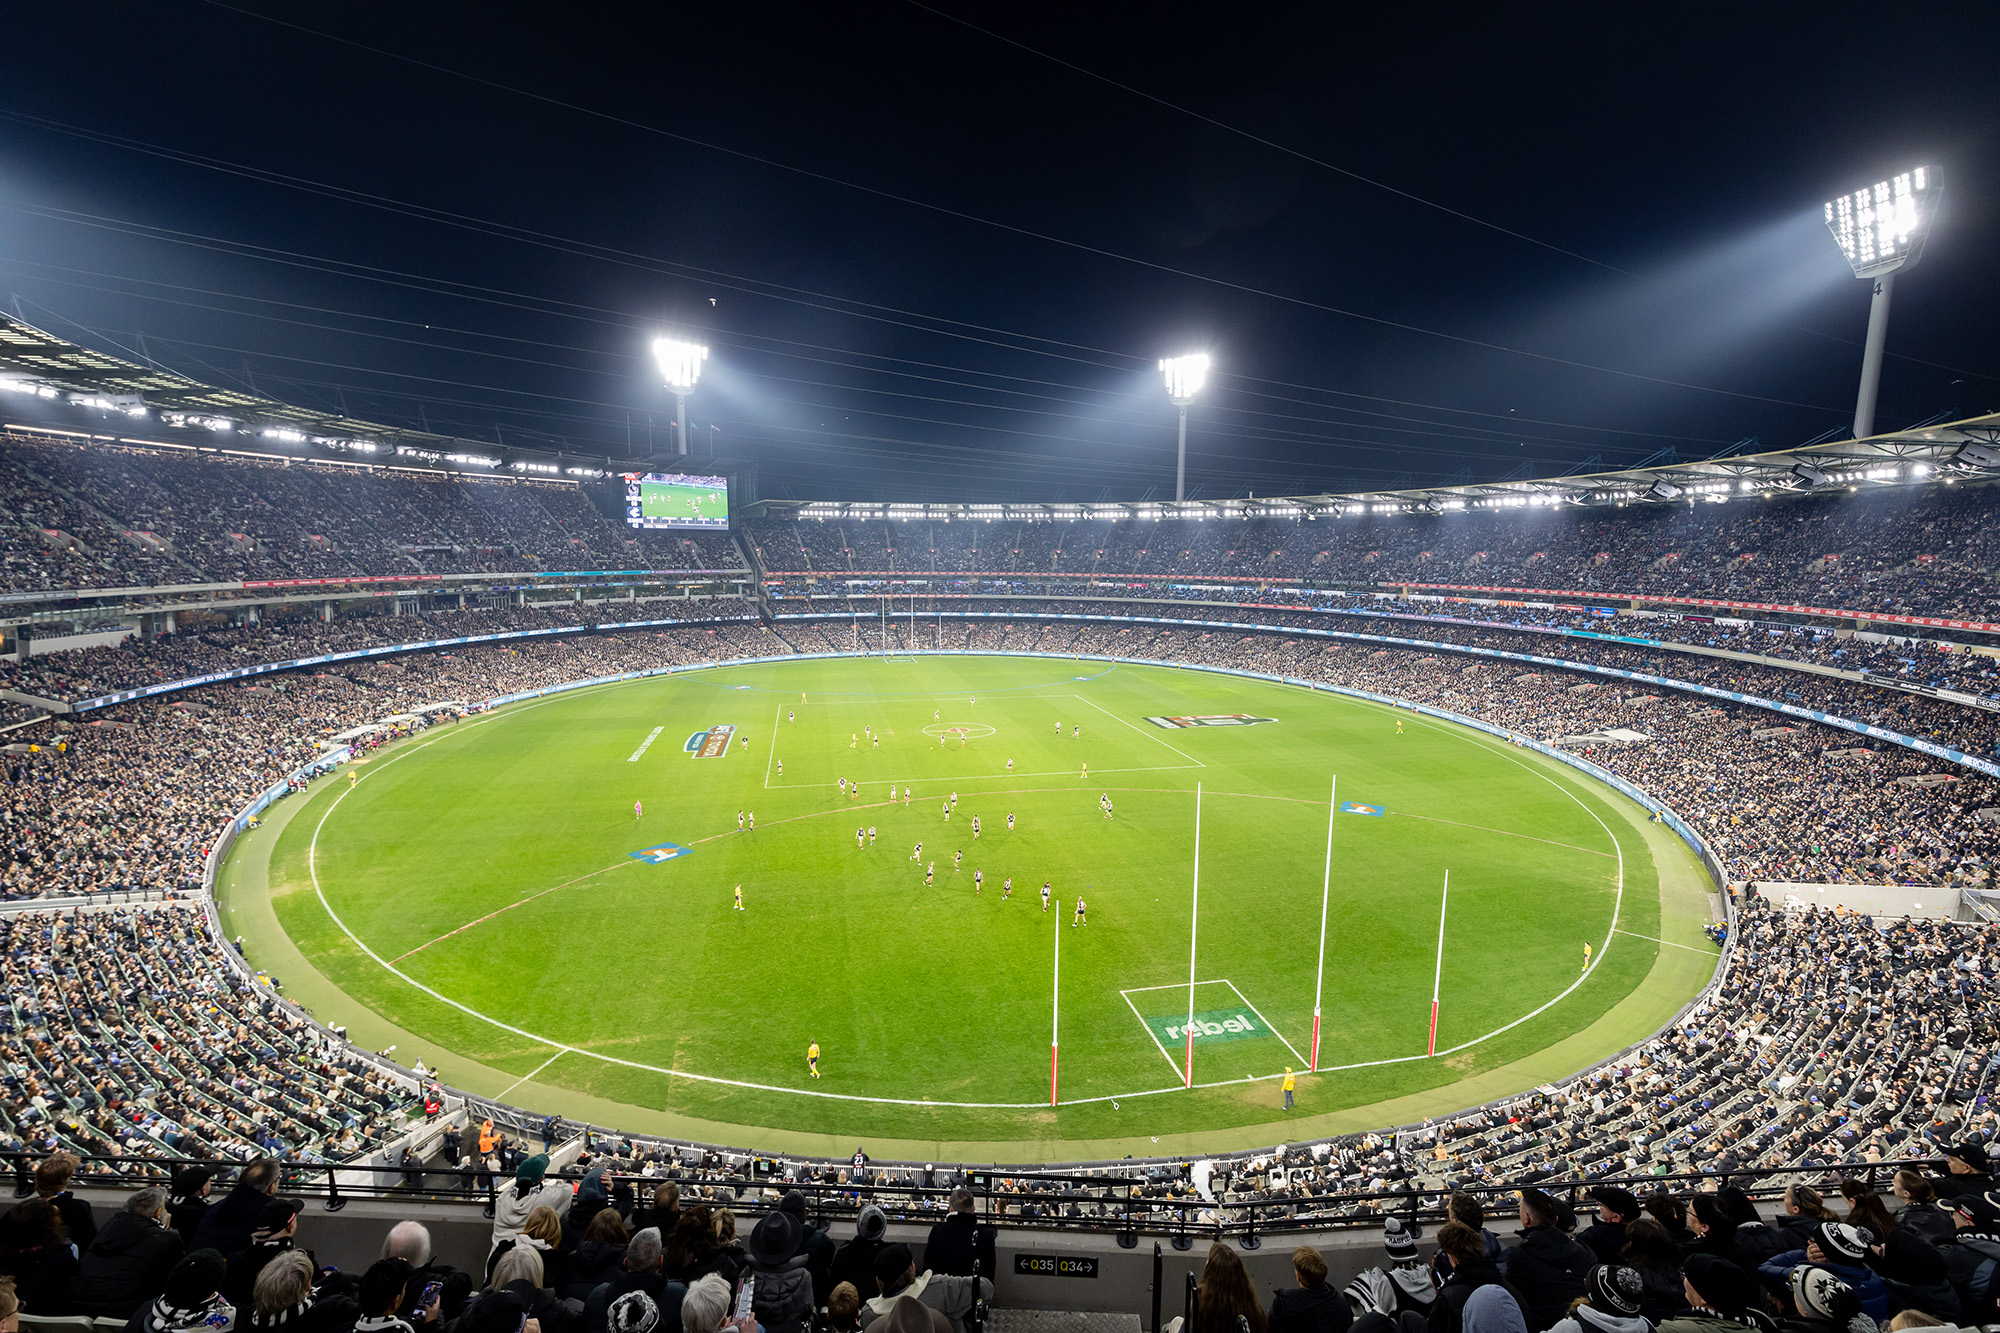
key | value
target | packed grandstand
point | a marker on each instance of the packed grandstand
(1831, 1042)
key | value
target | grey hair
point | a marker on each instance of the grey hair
(705, 1306)
(284, 1282)
(643, 1251)
(147, 1202)
(523, 1261)
(408, 1241)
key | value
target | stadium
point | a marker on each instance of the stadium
(416, 831)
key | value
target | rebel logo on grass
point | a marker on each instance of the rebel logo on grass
(1210, 720)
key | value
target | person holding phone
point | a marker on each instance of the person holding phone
(384, 1287)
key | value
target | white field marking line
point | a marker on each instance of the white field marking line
(1127, 997)
(525, 1077)
(1691, 948)
(645, 744)
(1267, 1023)
(1003, 777)
(1135, 726)
(501, 911)
(1505, 833)
(1617, 903)
(771, 748)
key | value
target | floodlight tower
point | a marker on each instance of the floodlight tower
(1185, 375)
(680, 365)
(1881, 229)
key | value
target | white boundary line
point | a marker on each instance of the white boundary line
(1135, 726)
(526, 1077)
(1127, 997)
(1691, 948)
(771, 746)
(312, 866)
(1267, 1023)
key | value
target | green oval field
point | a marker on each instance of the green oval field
(489, 894)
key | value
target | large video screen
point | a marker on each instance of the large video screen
(670, 500)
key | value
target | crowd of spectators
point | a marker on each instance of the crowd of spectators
(82, 515)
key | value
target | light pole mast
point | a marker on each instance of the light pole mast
(1881, 231)
(680, 365)
(1184, 375)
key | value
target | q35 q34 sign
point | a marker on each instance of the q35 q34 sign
(1055, 1265)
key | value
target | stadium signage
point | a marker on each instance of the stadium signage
(716, 744)
(1213, 1026)
(1055, 1265)
(1210, 720)
(1727, 605)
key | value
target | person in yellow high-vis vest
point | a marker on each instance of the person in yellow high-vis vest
(1290, 1083)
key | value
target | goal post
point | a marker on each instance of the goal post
(1325, 893)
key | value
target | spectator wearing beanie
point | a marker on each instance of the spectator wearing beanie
(1841, 1250)
(1381, 1298)
(1722, 1297)
(1313, 1306)
(1914, 1275)
(634, 1312)
(1614, 1303)
(1467, 1270)
(1824, 1304)
(1616, 1209)
(192, 1299)
(528, 1192)
(127, 1265)
(1548, 1268)
(854, 1262)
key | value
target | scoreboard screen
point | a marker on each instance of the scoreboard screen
(671, 500)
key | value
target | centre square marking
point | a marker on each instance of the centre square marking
(660, 855)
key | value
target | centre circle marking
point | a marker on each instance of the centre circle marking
(975, 732)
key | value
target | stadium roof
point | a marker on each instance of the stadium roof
(41, 364)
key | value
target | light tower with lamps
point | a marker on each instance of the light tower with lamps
(1185, 375)
(1881, 230)
(680, 365)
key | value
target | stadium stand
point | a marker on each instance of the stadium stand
(1830, 1045)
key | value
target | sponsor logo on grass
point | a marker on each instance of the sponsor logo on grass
(1357, 808)
(660, 855)
(1210, 720)
(1212, 1026)
(715, 743)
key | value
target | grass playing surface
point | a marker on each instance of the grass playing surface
(479, 887)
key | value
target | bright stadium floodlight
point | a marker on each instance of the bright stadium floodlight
(680, 365)
(1184, 375)
(1881, 229)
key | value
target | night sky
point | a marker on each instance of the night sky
(937, 250)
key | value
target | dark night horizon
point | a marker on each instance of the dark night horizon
(937, 252)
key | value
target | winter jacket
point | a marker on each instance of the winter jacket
(1701, 1321)
(76, 1215)
(854, 1262)
(1589, 1319)
(1928, 1220)
(951, 1297)
(1547, 1271)
(594, 1262)
(239, 1280)
(329, 1314)
(1448, 1310)
(782, 1300)
(41, 1276)
(1661, 1296)
(185, 1217)
(226, 1226)
(1777, 1274)
(817, 1249)
(125, 1267)
(1756, 1242)
(1603, 1239)
(511, 1208)
(541, 1305)
(955, 1242)
(1973, 1265)
(1320, 1309)
(555, 1264)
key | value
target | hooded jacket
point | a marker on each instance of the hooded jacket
(1447, 1311)
(951, 1297)
(854, 1262)
(511, 1208)
(1547, 1271)
(125, 1267)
